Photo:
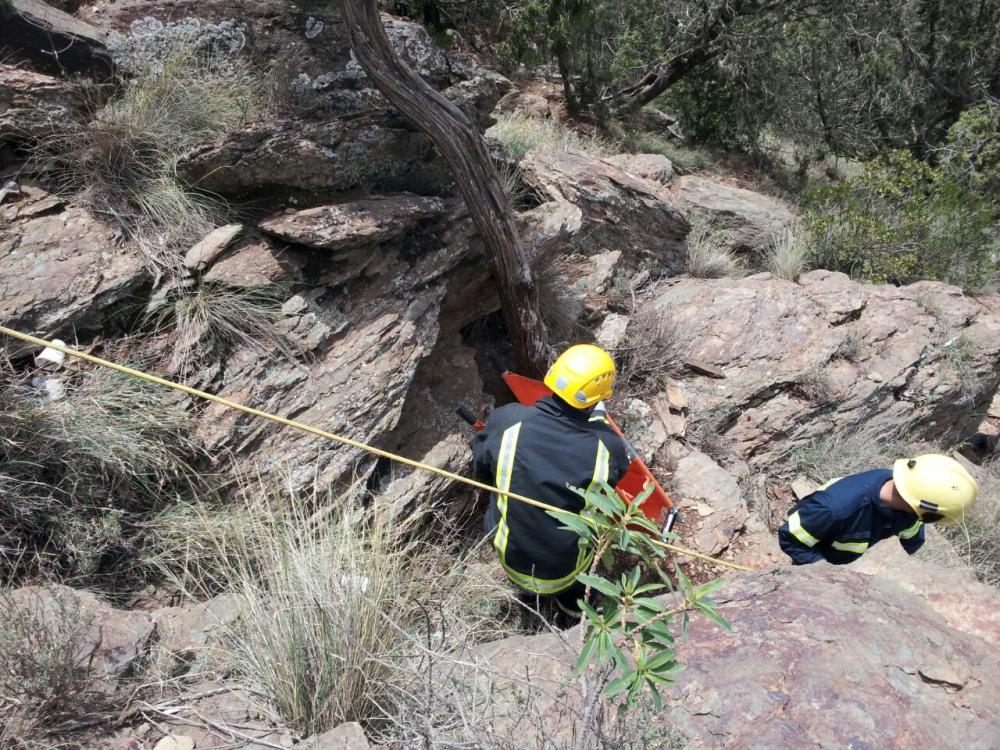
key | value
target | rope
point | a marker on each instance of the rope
(324, 434)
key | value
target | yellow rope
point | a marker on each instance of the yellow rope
(324, 434)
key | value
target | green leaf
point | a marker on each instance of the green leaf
(601, 584)
(573, 522)
(592, 613)
(646, 603)
(707, 588)
(708, 609)
(657, 701)
(661, 661)
(608, 559)
(617, 685)
(617, 655)
(683, 582)
(649, 587)
(586, 653)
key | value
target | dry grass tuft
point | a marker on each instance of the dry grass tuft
(709, 253)
(840, 452)
(655, 348)
(520, 134)
(124, 159)
(788, 254)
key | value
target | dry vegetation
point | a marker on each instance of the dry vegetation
(709, 253)
(519, 134)
(977, 540)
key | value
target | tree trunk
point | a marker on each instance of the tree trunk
(458, 140)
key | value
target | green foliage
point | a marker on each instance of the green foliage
(972, 151)
(631, 629)
(902, 220)
(685, 159)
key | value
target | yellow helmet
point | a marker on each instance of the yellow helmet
(937, 487)
(583, 375)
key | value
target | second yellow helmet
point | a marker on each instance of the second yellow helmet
(936, 487)
(583, 375)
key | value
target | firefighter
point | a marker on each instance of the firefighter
(844, 518)
(540, 451)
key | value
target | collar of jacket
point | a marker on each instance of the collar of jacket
(559, 408)
(874, 490)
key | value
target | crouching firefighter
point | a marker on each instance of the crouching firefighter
(844, 518)
(540, 451)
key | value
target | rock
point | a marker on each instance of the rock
(767, 332)
(994, 407)
(360, 223)
(349, 736)
(700, 482)
(204, 253)
(818, 654)
(188, 635)
(802, 487)
(34, 29)
(677, 397)
(548, 228)
(402, 494)
(31, 104)
(256, 264)
(751, 220)
(175, 742)
(109, 642)
(611, 334)
(620, 211)
(60, 271)
(525, 105)
(641, 427)
(954, 593)
(703, 368)
(653, 167)
(370, 150)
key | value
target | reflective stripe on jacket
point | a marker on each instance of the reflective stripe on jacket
(845, 518)
(537, 451)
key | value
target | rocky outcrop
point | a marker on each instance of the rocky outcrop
(620, 211)
(818, 656)
(257, 264)
(34, 104)
(188, 637)
(52, 39)
(354, 224)
(831, 356)
(750, 220)
(349, 736)
(61, 268)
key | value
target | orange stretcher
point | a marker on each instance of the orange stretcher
(657, 507)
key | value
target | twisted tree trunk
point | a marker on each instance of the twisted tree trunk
(458, 140)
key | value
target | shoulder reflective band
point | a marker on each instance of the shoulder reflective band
(912, 531)
(505, 468)
(858, 548)
(795, 526)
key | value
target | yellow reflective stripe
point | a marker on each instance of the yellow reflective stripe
(505, 469)
(541, 585)
(602, 466)
(795, 527)
(598, 418)
(858, 548)
(912, 531)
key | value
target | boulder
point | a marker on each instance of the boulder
(35, 29)
(524, 104)
(33, 104)
(751, 220)
(349, 736)
(60, 270)
(354, 224)
(620, 211)
(370, 150)
(412, 486)
(829, 356)
(653, 167)
(204, 252)
(714, 510)
(818, 655)
(256, 264)
(110, 642)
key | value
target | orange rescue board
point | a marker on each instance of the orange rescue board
(527, 391)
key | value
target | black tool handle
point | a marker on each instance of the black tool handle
(497, 361)
(465, 413)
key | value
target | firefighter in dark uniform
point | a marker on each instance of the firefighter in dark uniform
(845, 517)
(541, 451)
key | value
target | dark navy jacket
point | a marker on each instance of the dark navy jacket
(537, 451)
(843, 519)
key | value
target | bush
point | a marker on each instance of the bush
(76, 474)
(787, 255)
(45, 681)
(709, 253)
(654, 349)
(972, 152)
(900, 221)
(124, 159)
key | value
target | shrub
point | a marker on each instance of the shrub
(124, 159)
(972, 152)
(959, 354)
(655, 348)
(788, 254)
(77, 473)
(900, 221)
(519, 134)
(842, 451)
(710, 253)
(47, 689)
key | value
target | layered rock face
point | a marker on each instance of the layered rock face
(818, 656)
